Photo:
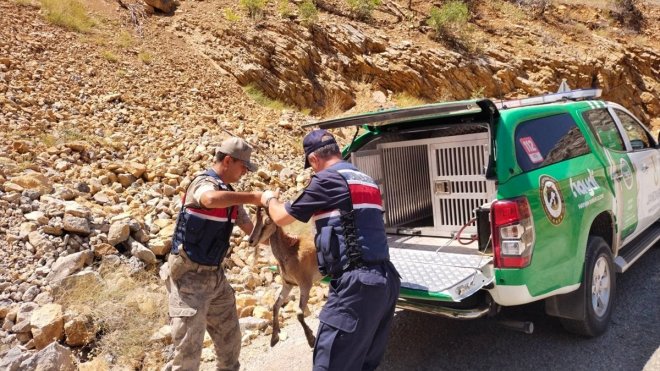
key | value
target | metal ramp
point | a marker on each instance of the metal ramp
(444, 276)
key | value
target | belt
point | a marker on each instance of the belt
(359, 265)
(196, 266)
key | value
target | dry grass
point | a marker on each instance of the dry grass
(258, 96)
(406, 100)
(145, 57)
(109, 56)
(69, 14)
(125, 40)
(128, 309)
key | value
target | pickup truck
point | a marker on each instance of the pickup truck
(490, 204)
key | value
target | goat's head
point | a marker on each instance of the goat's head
(264, 227)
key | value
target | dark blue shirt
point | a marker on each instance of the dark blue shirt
(327, 190)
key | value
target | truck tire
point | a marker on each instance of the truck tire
(598, 299)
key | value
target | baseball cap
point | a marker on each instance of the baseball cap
(316, 139)
(238, 149)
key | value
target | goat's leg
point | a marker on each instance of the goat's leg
(281, 299)
(300, 313)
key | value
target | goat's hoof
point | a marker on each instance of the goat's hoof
(274, 340)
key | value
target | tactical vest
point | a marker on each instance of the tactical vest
(204, 233)
(356, 236)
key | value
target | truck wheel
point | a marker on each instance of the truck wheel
(598, 299)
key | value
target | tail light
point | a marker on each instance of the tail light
(513, 233)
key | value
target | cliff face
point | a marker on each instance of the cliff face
(509, 55)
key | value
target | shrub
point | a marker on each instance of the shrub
(125, 39)
(362, 9)
(145, 57)
(255, 8)
(407, 100)
(69, 14)
(231, 16)
(284, 8)
(450, 19)
(109, 56)
(308, 12)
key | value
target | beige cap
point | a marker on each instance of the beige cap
(238, 149)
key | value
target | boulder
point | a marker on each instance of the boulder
(103, 249)
(70, 264)
(76, 224)
(54, 357)
(12, 359)
(87, 280)
(166, 6)
(40, 242)
(80, 330)
(33, 181)
(47, 325)
(119, 232)
(139, 251)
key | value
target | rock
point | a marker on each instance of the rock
(166, 6)
(163, 335)
(37, 216)
(80, 330)
(30, 293)
(103, 249)
(75, 209)
(70, 264)
(251, 323)
(25, 312)
(40, 242)
(54, 357)
(141, 252)
(5, 306)
(12, 359)
(22, 327)
(119, 232)
(47, 325)
(160, 246)
(33, 181)
(262, 312)
(76, 224)
(111, 97)
(77, 146)
(134, 168)
(126, 180)
(86, 280)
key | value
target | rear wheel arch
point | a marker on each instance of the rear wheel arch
(603, 227)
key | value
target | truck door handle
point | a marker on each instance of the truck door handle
(645, 168)
(618, 177)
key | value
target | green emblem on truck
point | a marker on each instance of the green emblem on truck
(552, 199)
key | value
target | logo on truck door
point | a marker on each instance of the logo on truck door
(552, 199)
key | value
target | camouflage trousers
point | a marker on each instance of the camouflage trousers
(199, 300)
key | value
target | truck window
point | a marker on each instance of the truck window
(639, 138)
(545, 141)
(604, 127)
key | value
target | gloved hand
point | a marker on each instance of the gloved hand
(267, 195)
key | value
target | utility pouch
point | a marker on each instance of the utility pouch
(328, 251)
(179, 264)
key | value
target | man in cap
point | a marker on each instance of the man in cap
(351, 244)
(200, 298)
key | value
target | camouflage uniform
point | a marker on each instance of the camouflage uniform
(200, 298)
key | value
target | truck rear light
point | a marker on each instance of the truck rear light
(513, 233)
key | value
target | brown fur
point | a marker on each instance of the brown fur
(297, 265)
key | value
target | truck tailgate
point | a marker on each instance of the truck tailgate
(431, 270)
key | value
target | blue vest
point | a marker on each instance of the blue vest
(367, 207)
(204, 233)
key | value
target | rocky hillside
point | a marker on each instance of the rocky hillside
(102, 129)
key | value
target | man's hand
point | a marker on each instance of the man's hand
(267, 196)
